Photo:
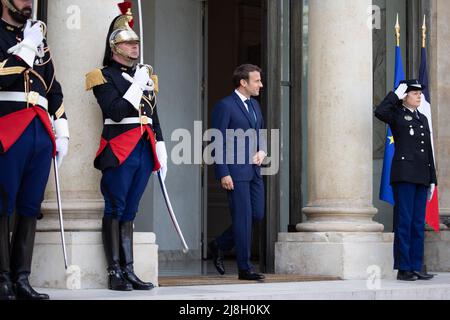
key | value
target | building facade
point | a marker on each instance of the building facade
(326, 64)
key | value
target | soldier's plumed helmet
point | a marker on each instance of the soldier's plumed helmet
(413, 85)
(120, 30)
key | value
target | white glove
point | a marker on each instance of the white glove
(28, 48)
(139, 83)
(62, 147)
(161, 152)
(401, 91)
(431, 191)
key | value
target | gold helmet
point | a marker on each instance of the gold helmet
(121, 29)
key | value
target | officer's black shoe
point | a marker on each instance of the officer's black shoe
(406, 276)
(217, 256)
(117, 281)
(250, 275)
(136, 283)
(25, 292)
(423, 275)
(6, 287)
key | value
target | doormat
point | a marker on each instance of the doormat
(207, 280)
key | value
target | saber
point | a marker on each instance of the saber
(35, 9)
(61, 222)
(58, 200)
(141, 32)
(171, 213)
(161, 181)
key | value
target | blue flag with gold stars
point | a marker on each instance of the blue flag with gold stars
(386, 193)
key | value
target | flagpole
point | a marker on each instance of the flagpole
(424, 32)
(397, 31)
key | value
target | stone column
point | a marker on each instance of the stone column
(339, 236)
(77, 35)
(437, 255)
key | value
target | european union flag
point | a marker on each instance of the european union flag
(386, 193)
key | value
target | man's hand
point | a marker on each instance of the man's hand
(161, 153)
(28, 48)
(401, 91)
(259, 157)
(33, 33)
(141, 78)
(62, 148)
(227, 183)
(431, 192)
(139, 83)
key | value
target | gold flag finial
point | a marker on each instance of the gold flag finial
(424, 32)
(397, 31)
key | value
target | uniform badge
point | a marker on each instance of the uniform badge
(408, 118)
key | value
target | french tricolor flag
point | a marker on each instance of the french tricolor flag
(432, 216)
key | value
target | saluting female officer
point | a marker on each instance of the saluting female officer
(413, 176)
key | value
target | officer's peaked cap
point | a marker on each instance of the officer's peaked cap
(413, 85)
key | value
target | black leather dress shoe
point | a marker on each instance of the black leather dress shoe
(407, 276)
(6, 288)
(249, 275)
(423, 275)
(217, 256)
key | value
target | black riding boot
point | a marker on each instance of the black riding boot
(21, 257)
(110, 235)
(126, 257)
(6, 286)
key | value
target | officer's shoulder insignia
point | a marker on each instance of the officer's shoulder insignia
(155, 81)
(94, 78)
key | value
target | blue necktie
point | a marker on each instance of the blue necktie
(251, 110)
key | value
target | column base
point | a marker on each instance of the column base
(437, 253)
(339, 219)
(86, 259)
(349, 256)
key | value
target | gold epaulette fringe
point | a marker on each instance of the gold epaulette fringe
(155, 80)
(94, 78)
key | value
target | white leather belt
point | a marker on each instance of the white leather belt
(32, 97)
(133, 120)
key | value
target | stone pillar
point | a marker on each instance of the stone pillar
(339, 237)
(437, 255)
(77, 35)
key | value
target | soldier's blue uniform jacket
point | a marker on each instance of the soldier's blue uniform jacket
(27, 97)
(413, 159)
(119, 137)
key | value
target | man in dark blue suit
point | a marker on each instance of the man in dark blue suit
(238, 167)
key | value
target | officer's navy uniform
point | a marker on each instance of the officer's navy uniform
(246, 201)
(28, 96)
(412, 173)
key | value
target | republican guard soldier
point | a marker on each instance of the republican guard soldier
(413, 176)
(29, 96)
(131, 145)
